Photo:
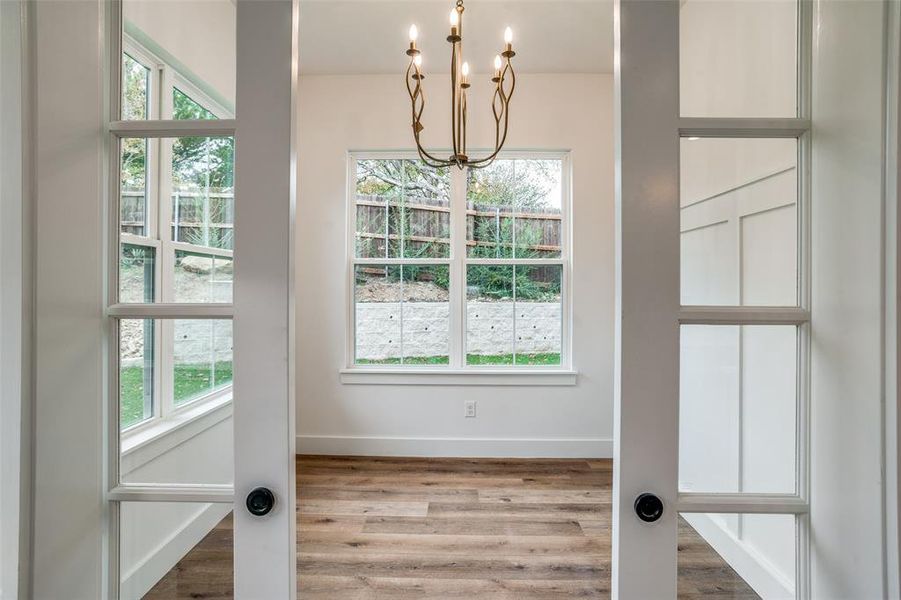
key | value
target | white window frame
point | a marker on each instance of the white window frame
(562, 374)
(165, 414)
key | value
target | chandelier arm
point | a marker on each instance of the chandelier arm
(505, 102)
(497, 116)
(423, 153)
(418, 92)
(454, 98)
(463, 109)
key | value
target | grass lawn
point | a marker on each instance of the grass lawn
(190, 381)
(546, 358)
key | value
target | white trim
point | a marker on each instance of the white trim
(352, 445)
(458, 262)
(167, 128)
(471, 376)
(172, 492)
(171, 310)
(164, 434)
(892, 274)
(146, 573)
(743, 315)
(753, 568)
(743, 128)
(16, 298)
(694, 502)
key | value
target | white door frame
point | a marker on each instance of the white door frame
(265, 547)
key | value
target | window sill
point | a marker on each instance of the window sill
(146, 444)
(534, 377)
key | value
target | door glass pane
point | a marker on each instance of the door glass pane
(539, 314)
(202, 277)
(202, 358)
(175, 401)
(738, 58)
(489, 315)
(175, 550)
(741, 556)
(203, 191)
(739, 233)
(198, 195)
(737, 408)
(194, 40)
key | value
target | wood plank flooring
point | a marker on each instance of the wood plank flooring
(398, 528)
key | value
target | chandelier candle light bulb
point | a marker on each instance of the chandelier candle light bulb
(505, 82)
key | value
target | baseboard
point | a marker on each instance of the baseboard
(456, 447)
(143, 576)
(755, 569)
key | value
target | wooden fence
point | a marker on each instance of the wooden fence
(208, 219)
(426, 223)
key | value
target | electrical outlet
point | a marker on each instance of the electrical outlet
(469, 409)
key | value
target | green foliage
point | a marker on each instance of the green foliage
(494, 282)
(506, 188)
(410, 360)
(538, 358)
(517, 184)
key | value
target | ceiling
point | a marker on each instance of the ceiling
(343, 37)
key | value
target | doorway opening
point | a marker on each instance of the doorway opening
(455, 327)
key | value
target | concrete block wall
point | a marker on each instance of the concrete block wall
(422, 328)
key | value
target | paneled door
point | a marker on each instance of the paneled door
(199, 308)
(712, 317)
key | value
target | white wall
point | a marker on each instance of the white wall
(342, 113)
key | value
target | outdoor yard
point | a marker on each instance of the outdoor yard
(190, 381)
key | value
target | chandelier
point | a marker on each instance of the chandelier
(504, 79)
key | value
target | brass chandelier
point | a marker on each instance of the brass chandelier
(505, 82)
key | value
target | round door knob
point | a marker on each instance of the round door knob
(260, 501)
(648, 507)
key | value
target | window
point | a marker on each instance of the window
(176, 234)
(459, 270)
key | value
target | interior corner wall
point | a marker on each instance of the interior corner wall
(371, 112)
(199, 33)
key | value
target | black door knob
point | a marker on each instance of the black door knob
(260, 501)
(648, 507)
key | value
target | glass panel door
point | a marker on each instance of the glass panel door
(724, 477)
(201, 429)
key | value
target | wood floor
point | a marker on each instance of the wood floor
(378, 528)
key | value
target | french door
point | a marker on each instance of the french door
(200, 407)
(712, 313)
